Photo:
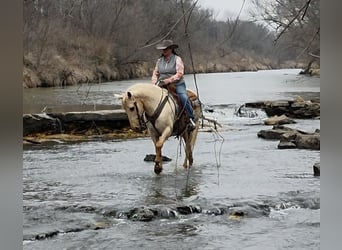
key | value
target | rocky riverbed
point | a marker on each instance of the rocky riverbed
(242, 192)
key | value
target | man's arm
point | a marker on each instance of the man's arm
(155, 74)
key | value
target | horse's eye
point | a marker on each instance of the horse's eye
(131, 108)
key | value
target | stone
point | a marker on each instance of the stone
(298, 108)
(286, 145)
(317, 169)
(151, 157)
(308, 141)
(270, 134)
(275, 133)
(289, 137)
(141, 214)
(279, 120)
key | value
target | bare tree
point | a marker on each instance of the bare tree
(98, 37)
(296, 22)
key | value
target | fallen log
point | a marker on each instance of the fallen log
(101, 121)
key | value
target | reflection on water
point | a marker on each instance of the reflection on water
(102, 195)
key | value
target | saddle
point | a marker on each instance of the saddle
(182, 118)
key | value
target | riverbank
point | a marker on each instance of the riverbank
(62, 72)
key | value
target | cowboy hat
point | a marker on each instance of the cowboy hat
(166, 44)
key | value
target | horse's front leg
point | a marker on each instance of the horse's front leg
(158, 147)
(158, 160)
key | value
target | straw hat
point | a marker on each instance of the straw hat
(166, 44)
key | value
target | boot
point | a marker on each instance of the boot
(192, 124)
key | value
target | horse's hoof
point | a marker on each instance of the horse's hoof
(186, 166)
(158, 169)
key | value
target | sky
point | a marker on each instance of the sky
(227, 8)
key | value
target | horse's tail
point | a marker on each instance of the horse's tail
(197, 114)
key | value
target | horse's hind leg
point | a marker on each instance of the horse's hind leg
(188, 157)
(188, 151)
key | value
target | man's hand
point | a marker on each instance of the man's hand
(161, 83)
(167, 81)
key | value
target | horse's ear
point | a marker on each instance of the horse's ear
(118, 96)
(129, 94)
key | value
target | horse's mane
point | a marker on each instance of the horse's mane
(143, 89)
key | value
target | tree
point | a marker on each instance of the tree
(296, 23)
(95, 40)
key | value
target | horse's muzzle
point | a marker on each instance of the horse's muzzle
(139, 129)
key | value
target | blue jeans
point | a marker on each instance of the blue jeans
(183, 96)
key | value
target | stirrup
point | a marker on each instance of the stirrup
(191, 125)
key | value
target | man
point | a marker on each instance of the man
(169, 69)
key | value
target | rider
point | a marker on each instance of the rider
(170, 69)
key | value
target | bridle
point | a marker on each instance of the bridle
(142, 123)
(152, 119)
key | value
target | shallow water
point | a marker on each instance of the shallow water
(242, 193)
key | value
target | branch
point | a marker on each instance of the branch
(233, 30)
(235, 24)
(309, 44)
(172, 28)
(163, 37)
(313, 55)
(304, 7)
(214, 121)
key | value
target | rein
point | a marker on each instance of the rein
(157, 112)
(152, 119)
(142, 123)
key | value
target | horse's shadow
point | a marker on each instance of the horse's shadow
(173, 187)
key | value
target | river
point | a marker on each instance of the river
(242, 192)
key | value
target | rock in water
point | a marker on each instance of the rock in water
(151, 157)
(317, 169)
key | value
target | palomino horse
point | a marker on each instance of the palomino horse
(148, 105)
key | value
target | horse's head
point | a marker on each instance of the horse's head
(135, 111)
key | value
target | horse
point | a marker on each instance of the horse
(155, 108)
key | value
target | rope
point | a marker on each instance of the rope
(218, 137)
(186, 22)
(178, 152)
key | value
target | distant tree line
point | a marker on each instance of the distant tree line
(76, 41)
